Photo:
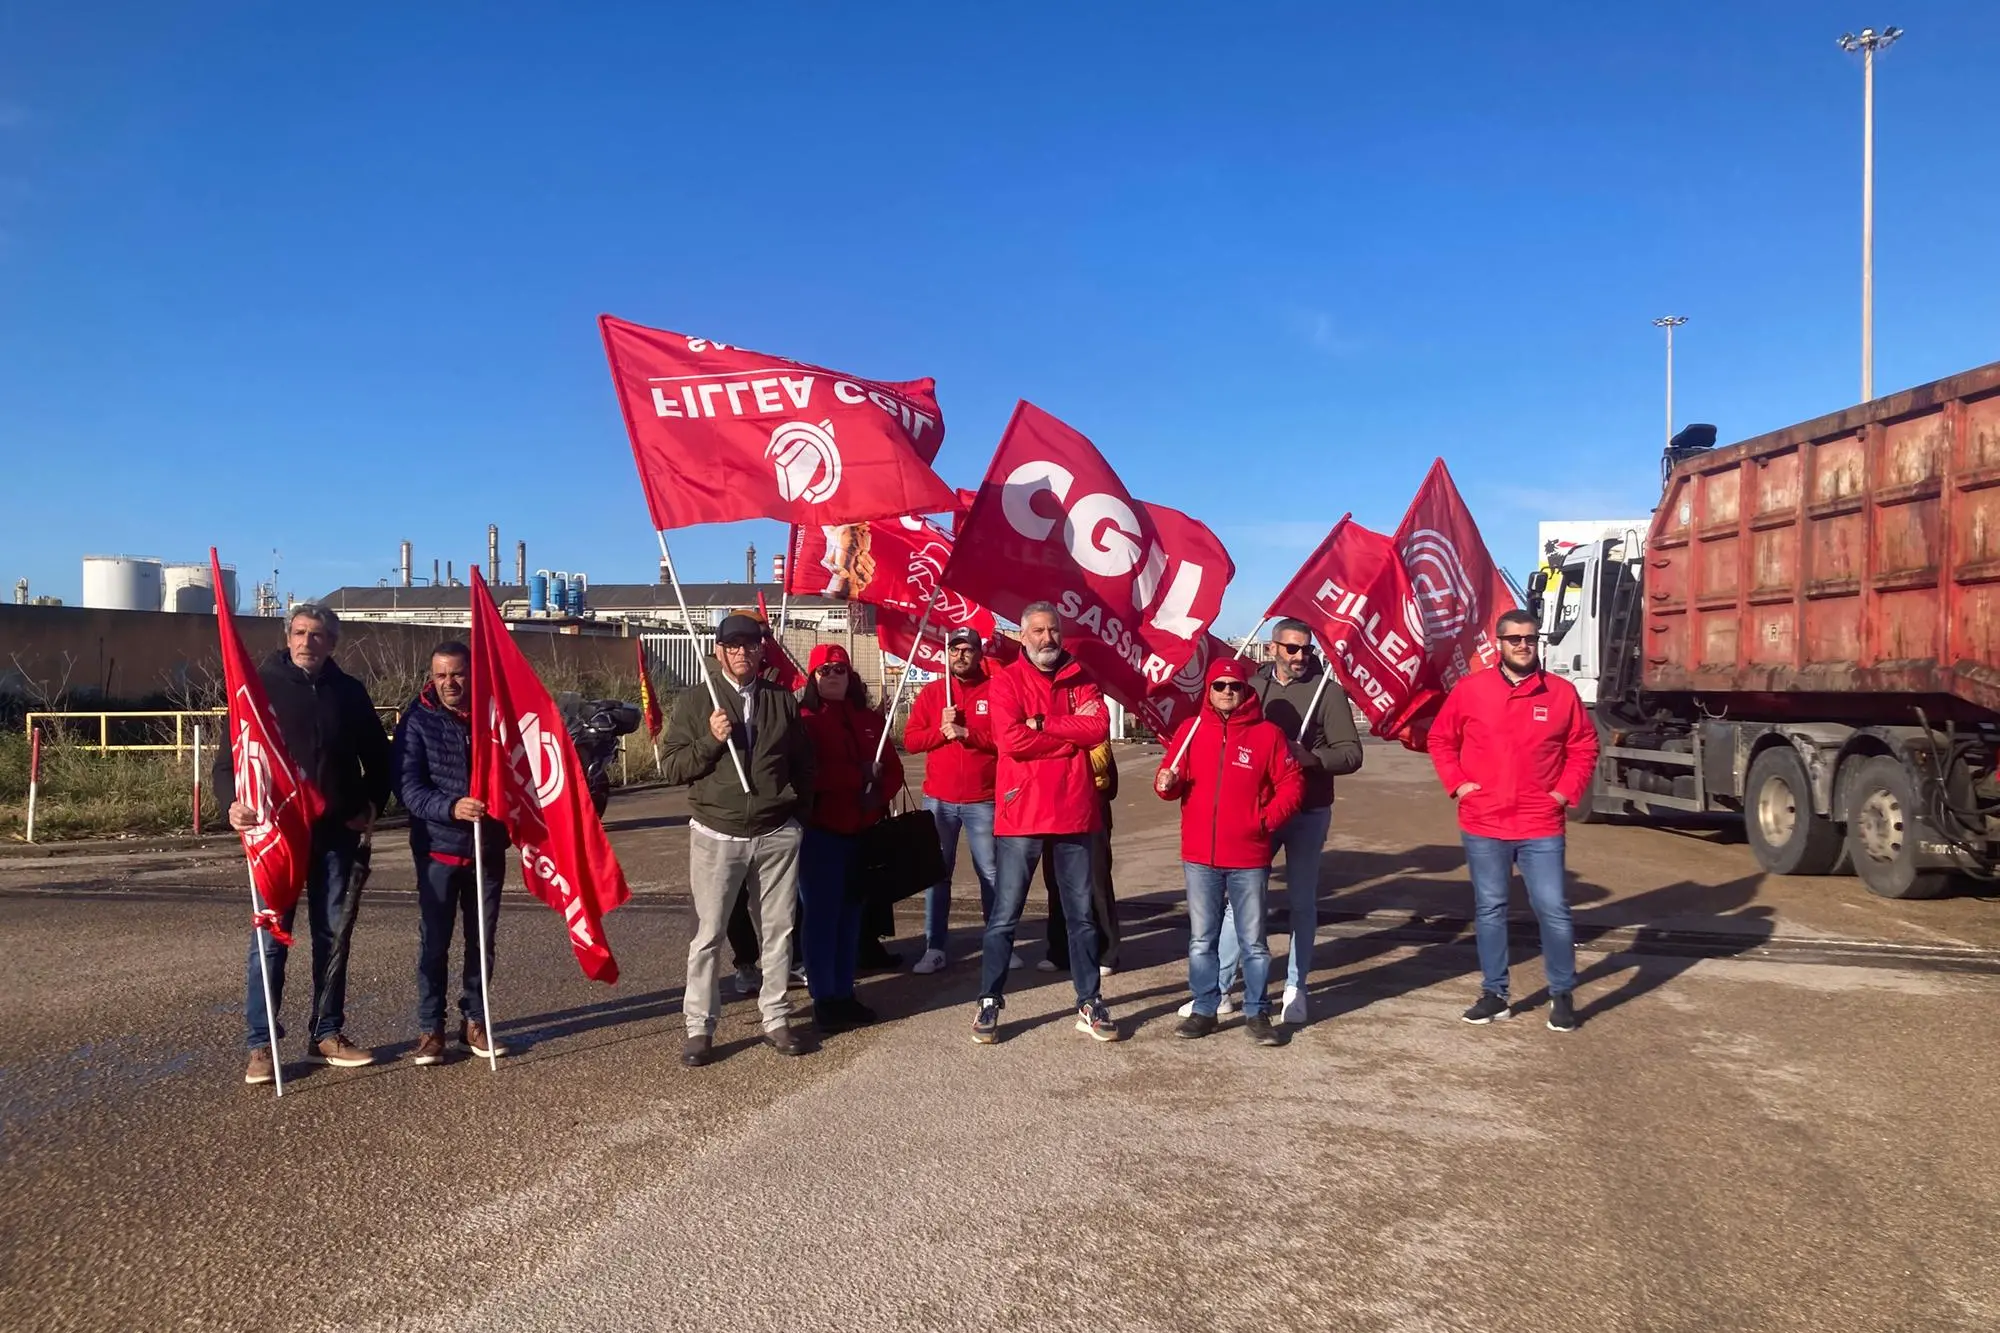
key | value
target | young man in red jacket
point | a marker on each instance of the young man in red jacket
(1516, 749)
(1237, 784)
(958, 781)
(1047, 716)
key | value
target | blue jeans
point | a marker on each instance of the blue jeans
(1015, 860)
(830, 919)
(1303, 840)
(331, 909)
(1207, 887)
(1491, 861)
(445, 895)
(976, 819)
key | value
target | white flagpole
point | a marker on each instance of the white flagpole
(708, 677)
(264, 968)
(34, 775)
(1241, 649)
(882, 741)
(1312, 708)
(485, 980)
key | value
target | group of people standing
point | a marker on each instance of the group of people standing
(1019, 771)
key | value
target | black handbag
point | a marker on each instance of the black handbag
(898, 858)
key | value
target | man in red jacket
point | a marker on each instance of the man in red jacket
(958, 781)
(1516, 749)
(1237, 784)
(1046, 717)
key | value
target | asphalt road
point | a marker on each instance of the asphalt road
(1778, 1115)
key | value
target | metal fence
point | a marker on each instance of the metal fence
(676, 659)
(162, 730)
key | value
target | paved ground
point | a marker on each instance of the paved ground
(1779, 1115)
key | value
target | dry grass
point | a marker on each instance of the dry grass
(85, 794)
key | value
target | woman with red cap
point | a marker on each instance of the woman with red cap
(849, 795)
(1236, 781)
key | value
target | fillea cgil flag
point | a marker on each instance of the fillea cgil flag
(721, 433)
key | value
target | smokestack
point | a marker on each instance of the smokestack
(663, 574)
(750, 564)
(778, 570)
(20, 592)
(434, 572)
(450, 579)
(521, 563)
(493, 553)
(406, 564)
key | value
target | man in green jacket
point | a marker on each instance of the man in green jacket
(733, 833)
(1301, 698)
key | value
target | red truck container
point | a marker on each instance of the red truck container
(1809, 637)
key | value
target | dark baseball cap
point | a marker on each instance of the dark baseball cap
(964, 634)
(739, 627)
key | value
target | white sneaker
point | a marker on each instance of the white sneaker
(1014, 963)
(1103, 971)
(747, 981)
(1045, 966)
(932, 961)
(1293, 1013)
(797, 981)
(1224, 1007)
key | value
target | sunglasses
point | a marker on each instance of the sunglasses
(1289, 647)
(741, 645)
(831, 669)
(1226, 687)
(1518, 640)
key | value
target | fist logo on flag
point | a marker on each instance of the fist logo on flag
(807, 460)
(1190, 677)
(1444, 590)
(254, 784)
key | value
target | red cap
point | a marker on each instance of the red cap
(1229, 668)
(826, 654)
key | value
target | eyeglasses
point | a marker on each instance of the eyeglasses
(1518, 640)
(1226, 687)
(741, 645)
(1289, 647)
(831, 669)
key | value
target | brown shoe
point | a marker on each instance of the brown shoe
(696, 1051)
(338, 1051)
(430, 1049)
(785, 1040)
(473, 1037)
(259, 1068)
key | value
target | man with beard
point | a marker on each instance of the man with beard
(1047, 715)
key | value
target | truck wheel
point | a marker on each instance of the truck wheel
(1787, 836)
(1882, 832)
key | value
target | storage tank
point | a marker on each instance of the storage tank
(576, 583)
(121, 582)
(559, 594)
(538, 593)
(188, 588)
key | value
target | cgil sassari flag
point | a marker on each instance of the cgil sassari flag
(526, 770)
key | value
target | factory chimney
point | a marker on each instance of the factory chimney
(434, 572)
(406, 564)
(778, 570)
(664, 580)
(450, 579)
(20, 592)
(521, 563)
(493, 553)
(750, 564)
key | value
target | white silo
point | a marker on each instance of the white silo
(121, 582)
(188, 587)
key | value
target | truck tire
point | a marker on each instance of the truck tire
(1786, 834)
(1882, 833)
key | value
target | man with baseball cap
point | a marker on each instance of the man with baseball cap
(958, 781)
(736, 835)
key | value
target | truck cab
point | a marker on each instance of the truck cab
(1572, 596)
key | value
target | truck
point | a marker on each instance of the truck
(1806, 638)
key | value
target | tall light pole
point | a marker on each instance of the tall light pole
(1670, 323)
(1868, 42)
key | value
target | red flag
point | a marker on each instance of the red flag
(1165, 707)
(1137, 584)
(721, 433)
(778, 663)
(649, 701)
(526, 771)
(285, 800)
(1459, 591)
(1357, 596)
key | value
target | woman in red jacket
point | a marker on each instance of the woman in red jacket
(849, 795)
(1236, 781)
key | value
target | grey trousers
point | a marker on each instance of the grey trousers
(716, 874)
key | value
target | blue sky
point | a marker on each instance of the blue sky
(321, 280)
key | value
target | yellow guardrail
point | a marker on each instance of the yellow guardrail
(65, 724)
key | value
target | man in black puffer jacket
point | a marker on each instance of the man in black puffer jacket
(333, 735)
(434, 779)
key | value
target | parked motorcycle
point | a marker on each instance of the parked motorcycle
(594, 728)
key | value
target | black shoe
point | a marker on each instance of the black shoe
(785, 1040)
(874, 958)
(1260, 1030)
(1562, 1014)
(1195, 1025)
(1489, 1008)
(857, 1014)
(986, 1025)
(697, 1051)
(829, 1017)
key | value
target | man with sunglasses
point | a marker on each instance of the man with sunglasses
(736, 836)
(1515, 748)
